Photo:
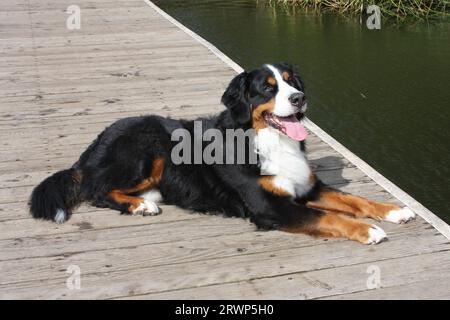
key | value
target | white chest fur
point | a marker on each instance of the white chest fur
(282, 158)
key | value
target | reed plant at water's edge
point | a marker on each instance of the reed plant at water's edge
(389, 8)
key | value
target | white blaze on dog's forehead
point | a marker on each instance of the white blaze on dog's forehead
(279, 77)
(275, 72)
(284, 88)
(283, 106)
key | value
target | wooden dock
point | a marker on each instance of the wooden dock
(59, 88)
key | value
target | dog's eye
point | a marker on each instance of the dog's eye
(268, 88)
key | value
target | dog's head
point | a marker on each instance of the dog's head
(270, 96)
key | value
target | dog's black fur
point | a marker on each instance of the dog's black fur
(122, 156)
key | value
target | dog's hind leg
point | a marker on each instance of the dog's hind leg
(125, 203)
(332, 224)
(334, 200)
(142, 198)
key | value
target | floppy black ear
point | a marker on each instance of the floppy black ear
(235, 99)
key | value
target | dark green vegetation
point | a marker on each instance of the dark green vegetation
(399, 9)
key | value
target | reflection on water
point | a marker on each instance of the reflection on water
(383, 94)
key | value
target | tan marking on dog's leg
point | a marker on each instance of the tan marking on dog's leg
(332, 224)
(360, 207)
(122, 198)
(139, 205)
(152, 181)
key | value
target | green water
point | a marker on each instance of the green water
(384, 94)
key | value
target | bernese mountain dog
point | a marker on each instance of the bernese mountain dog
(130, 168)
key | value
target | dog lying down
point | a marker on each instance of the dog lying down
(130, 167)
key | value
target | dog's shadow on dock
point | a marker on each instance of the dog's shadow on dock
(330, 170)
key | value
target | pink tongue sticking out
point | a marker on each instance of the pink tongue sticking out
(293, 128)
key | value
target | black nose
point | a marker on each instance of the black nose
(296, 99)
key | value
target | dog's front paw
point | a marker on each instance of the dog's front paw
(402, 215)
(376, 235)
(146, 208)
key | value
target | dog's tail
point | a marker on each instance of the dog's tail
(55, 197)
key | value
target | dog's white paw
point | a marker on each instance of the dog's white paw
(402, 215)
(152, 195)
(146, 208)
(60, 216)
(376, 235)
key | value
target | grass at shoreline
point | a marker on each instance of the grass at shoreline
(399, 9)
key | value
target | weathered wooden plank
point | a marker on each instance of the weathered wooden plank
(109, 107)
(23, 74)
(395, 276)
(132, 77)
(105, 68)
(12, 64)
(119, 237)
(19, 6)
(213, 270)
(14, 50)
(153, 254)
(108, 104)
(115, 82)
(432, 287)
(161, 253)
(49, 46)
(88, 218)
